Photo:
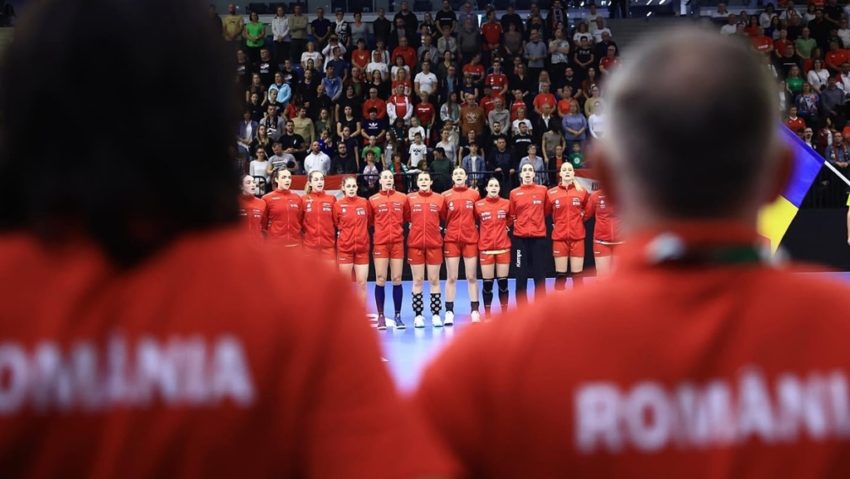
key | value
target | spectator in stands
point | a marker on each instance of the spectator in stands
(820, 29)
(474, 165)
(593, 101)
(400, 32)
(521, 119)
(838, 153)
(731, 26)
(245, 135)
(332, 84)
(818, 75)
(499, 118)
(372, 147)
(272, 123)
(540, 176)
(405, 51)
(450, 110)
(583, 58)
(256, 107)
(261, 141)
(575, 126)
(316, 160)
(344, 162)
(609, 61)
(544, 98)
(469, 41)
(447, 42)
(298, 25)
(374, 127)
(794, 82)
(321, 28)
(311, 55)
(596, 122)
(348, 120)
(399, 106)
(359, 29)
(491, 31)
(293, 143)
(807, 105)
(835, 57)
(326, 143)
(794, 122)
(805, 44)
(281, 41)
(303, 126)
(520, 141)
(598, 29)
(260, 166)
(833, 101)
(471, 116)
(832, 12)
(234, 26)
(550, 140)
(441, 171)
(535, 53)
(280, 159)
(254, 34)
(377, 65)
(381, 27)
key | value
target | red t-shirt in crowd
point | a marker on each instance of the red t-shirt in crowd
(797, 125)
(216, 357)
(762, 43)
(360, 58)
(487, 104)
(477, 71)
(378, 104)
(408, 53)
(427, 210)
(529, 207)
(252, 210)
(492, 33)
(285, 214)
(494, 218)
(319, 231)
(545, 99)
(718, 370)
(460, 215)
(389, 213)
(424, 112)
(568, 205)
(352, 217)
(498, 82)
(834, 59)
(607, 227)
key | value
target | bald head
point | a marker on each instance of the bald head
(693, 126)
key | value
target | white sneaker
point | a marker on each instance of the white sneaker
(475, 317)
(450, 318)
(435, 321)
(419, 322)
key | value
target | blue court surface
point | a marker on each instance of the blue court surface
(408, 351)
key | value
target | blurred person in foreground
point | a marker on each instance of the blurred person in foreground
(696, 358)
(143, 334)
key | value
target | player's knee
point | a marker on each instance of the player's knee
(380, 279)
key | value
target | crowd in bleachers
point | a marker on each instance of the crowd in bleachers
(808, 50)
(419, 91)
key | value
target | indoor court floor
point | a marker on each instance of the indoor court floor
(408, 351)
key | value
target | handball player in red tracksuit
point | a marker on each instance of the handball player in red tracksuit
(606, 232)
(461, 240)
(285, 212)
(389, 212)
(319, 231)
(494, 244)
(568, 202)
(529, 208)
(252, 210)
(352, 215)
(425, 246)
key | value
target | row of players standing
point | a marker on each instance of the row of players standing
(453, 225)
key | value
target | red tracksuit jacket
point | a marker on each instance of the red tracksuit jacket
(284, 216)
(389, 213)
(529, 207)
(494, 218)
(319, 231)
(253, 211)
(352, 216)
(607, 229)
(427, 210)
(568, 207)
(460, 215)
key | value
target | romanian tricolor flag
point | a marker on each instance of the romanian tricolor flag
(775, 218)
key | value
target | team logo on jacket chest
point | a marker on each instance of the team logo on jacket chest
(576, 202)
(466, 204)
(323, 207)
